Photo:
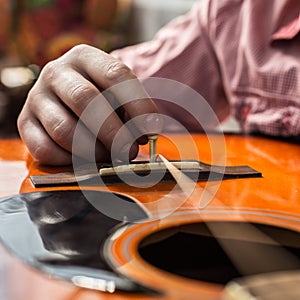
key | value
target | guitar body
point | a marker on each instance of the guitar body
(190, 247)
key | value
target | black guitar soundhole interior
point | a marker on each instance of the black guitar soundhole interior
(220, 251)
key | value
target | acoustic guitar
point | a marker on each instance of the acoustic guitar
(213, 237)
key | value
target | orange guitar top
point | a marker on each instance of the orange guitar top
(272, 199)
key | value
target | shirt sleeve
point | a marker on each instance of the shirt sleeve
(259, 54)
(181, 51)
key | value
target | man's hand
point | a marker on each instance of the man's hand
(61, 96)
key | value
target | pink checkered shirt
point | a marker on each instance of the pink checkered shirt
(242, 56)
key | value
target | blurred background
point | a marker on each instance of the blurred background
(33, 32)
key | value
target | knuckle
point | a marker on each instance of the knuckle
(48, 72)
(81, 94)
(116, 71)
(21, 119)
(21, 122)
(61, 132)
(32, 94)
(77, 50)
(32, 101)
(41, 153)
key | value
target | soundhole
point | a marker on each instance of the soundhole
(217, 252)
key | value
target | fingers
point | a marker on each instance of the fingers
(66, 105)
(116, 78)
(94, 111)
(49, 130)
(46, 151)
(39, 144)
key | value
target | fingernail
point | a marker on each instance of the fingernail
(153, 123)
